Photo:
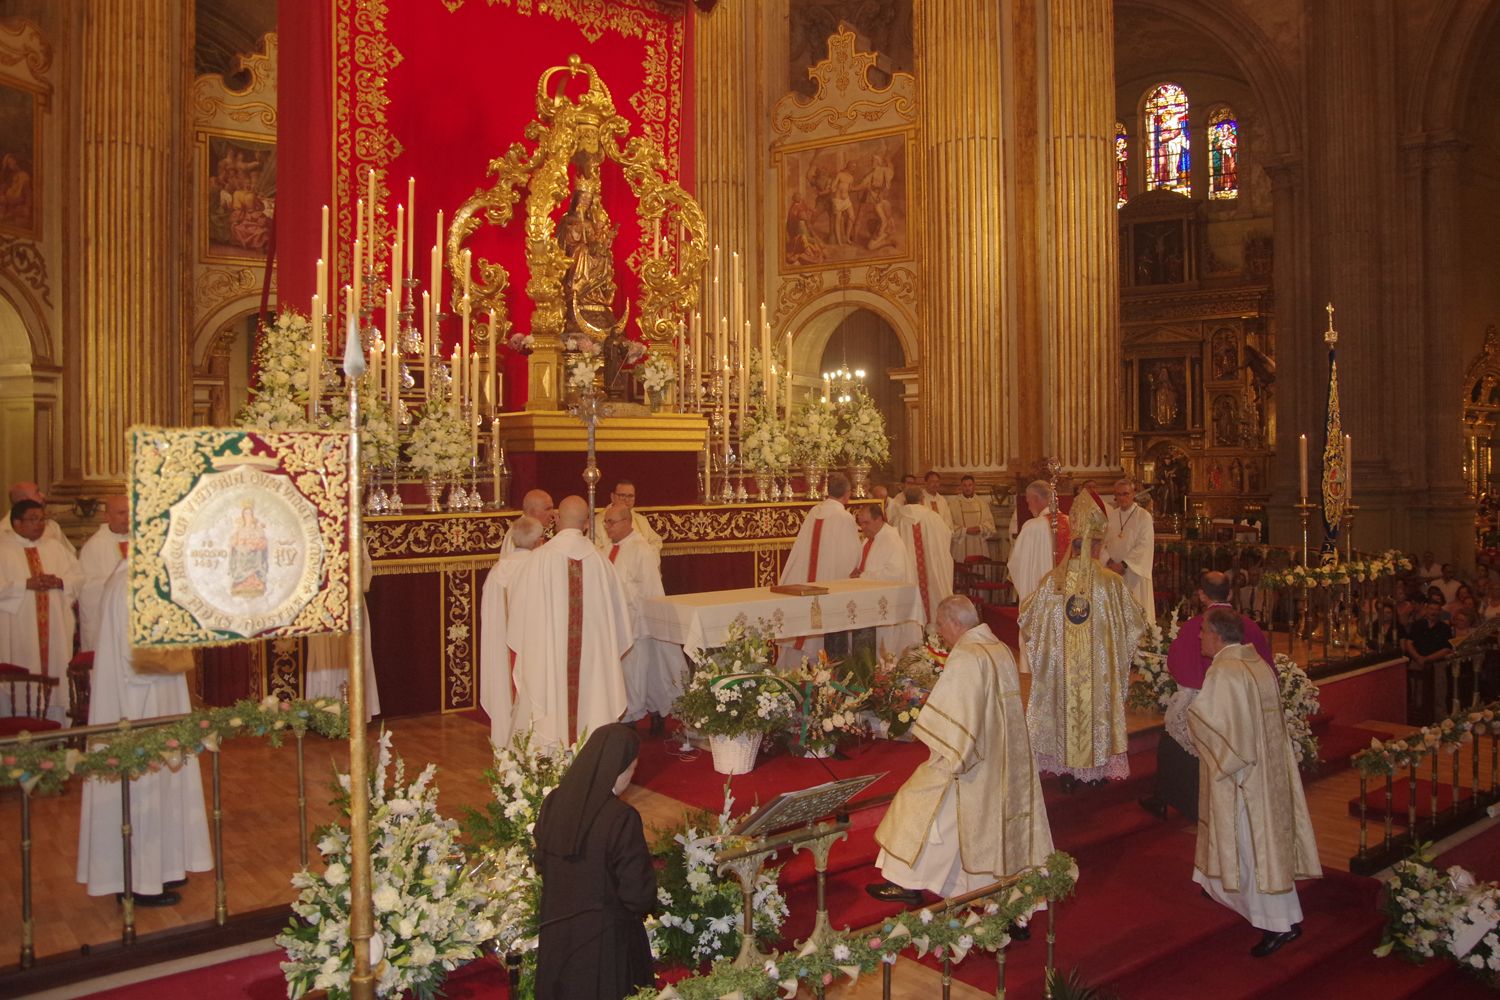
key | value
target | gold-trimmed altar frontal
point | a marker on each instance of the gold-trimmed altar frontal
(557, 431)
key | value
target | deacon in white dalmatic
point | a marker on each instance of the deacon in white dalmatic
(653, 670)
(927, 539)
(104, 550)
(569, 625)
(169, 826)
(973, 523)
(1130, 545)
(883, 557)
(973, 813)
(39, 580)
(1255, 835)
(495, 687)
(326, 674)
(827, 548)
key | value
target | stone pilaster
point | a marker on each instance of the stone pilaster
(1080, 250)
(727, 151)
(967, 381)
(123, 348)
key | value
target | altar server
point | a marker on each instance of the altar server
(1255, 836)
(1031, 557)
(653, 670)
(569, 625)
(927, 546)
(327, 672)
(973, 523)
(883, 556)
(827, 545)
(495, 684)
(535, 504)
(973, 812)
(1130, 545)
(624, 494)
(169, 826)
(39, 580)
(97, 559)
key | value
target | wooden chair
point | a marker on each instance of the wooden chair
(984, 580)
(30, 697)
(80, 686)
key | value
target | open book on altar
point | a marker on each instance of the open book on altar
(805, 805)
(800, 589)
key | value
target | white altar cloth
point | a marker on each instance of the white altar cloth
(701, 621)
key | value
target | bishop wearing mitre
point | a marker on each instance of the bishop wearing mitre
(653, 669)
(569, 625)
(495, 685)
(927, 539)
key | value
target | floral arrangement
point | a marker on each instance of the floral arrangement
(521, 343)
(657, 374)
(1153, 687)
(736, 704)
(766, 447)
(831, 707)
(581, 343)
(1384, 757)
(701, 910)
(850, 954)
(278, 399)
(863, 431)
(378, 443)
(1388, 563)
(439, 442)
(582, 370)
(1442, 913)
(131, 752)
(893, 698)
(924, 662)
(817, 442)
(431, 914)
(746, 648)
(1299, 703)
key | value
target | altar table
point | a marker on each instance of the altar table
(701, 621)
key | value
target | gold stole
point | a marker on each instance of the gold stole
(575, 642)
(1078, 678)
(43, 610)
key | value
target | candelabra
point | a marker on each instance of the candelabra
(1303, 625)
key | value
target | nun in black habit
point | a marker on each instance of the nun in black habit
(597, 880)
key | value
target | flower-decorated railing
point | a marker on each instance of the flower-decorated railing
(982, 920)
(1410, 753)
(124, 751)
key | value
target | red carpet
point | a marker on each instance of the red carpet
(1480, 855)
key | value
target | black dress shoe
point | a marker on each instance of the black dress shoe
(658, 724)
(890, 892)
(176, 883)
(163, 898)
(1271, 941)
(1154, 806)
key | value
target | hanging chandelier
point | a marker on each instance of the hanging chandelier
(841, 385)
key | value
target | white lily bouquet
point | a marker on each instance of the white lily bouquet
(379, 445)
(657, 374)
(1153, 689)
(581, 371)
(278, 399)
(1449, 913)
(863, 430)
(1299, 703)
(439, 442)
(432, 914)
(766, 447)
(817, 442)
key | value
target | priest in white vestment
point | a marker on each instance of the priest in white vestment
(932, 498)
(326, 672)
(973, 813)
(1255, 835)
(826, 548)
(883, 557)
(569, 625)
(1031, 557)
(654, 670)
(927, 539)
(495, 685)
(53, 530)
(973, 523)
(104, 550)
(624, 493)
(39, 581)
(1130, 545)
(535, 504)
(169, 826)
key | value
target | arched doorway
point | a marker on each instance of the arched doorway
(17, 400)
(221, 370)
(863, 340)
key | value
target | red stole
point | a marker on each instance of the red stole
(614, 550)
(864, 554)
(812, 558)
(43, 610)
(921, 553)
(124, 550)
(575, 642)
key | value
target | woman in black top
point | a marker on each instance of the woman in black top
(597, 880)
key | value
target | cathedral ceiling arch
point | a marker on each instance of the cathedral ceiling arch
(32, 318)
(813, 325)
(1242, 41)
(1457, 51)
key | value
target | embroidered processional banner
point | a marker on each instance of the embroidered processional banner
(237, 535)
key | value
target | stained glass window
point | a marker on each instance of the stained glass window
(1223, 154)
(1168, 152)
(1122, 174)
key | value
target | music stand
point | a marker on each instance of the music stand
(803, 807)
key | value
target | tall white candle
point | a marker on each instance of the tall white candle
(370, 242)
(392, 358)
(463, 308)
(435, 285)
(315, 361)
(744, 373)
(1302, 464)
(489, 368)
(359, 231)
(411, 222)
(428, 347)
(322, 288)
(358, 279)
(396, 253)
(681, 363)
(1349, 468)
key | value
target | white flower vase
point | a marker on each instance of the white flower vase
(735, 754)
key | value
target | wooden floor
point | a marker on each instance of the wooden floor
(261, 850)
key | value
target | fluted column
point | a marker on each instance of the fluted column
(1081, 275)
(123, 346)
(727, 157)
(967, 379)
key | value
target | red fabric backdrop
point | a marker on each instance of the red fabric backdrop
(435, 91)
